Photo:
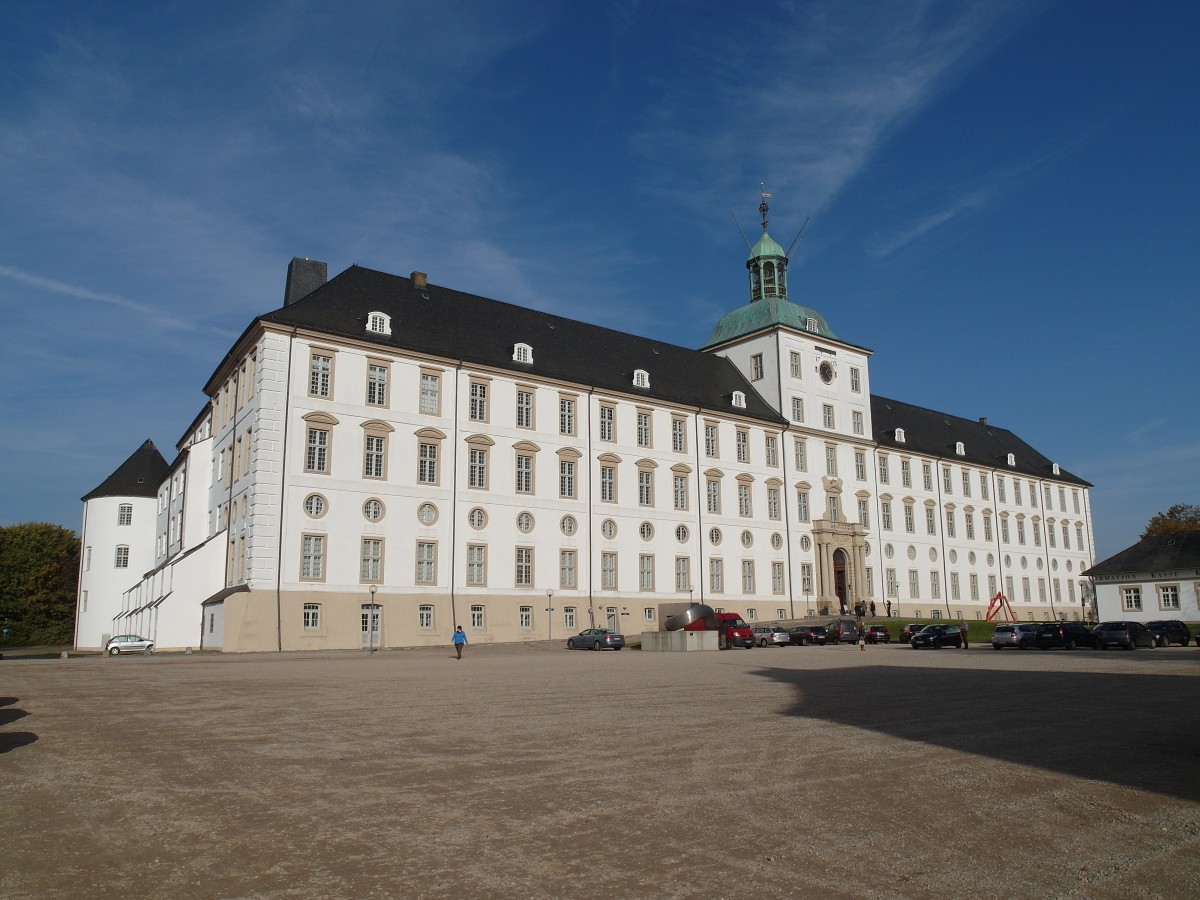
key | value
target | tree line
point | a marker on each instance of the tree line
(39, 582)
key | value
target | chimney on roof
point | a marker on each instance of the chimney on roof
(420, 280)
(304, 276)
(983, 420)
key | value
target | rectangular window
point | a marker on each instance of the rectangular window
(827, 415)
(1037, 533)
(860, 465)
(855, 380)
(856, 418)
(973, 584)
(478, 405)
(567, 577)
(608, 571)
(1062, 499)
(711, 447)
(477, 468)
(1049, 497)
(125, 514)
(802, 506)
(983, 485)
(987, 529)
(648, 613)
(756, 367)
(1026, 593)
(794, 364)
(909, 524)
(374, 455)
(643, 429)
(713, 491)
(885, 515)
(524, 483)
(679, 435)
(524, 409)
(566, 415)
(608, 484)
(427, 463)
(806, 579)
(316, 458)
(524, 567)
(1004, 530)
(743, 492)
(906, 473)
(525, 617)
(425, 617)
(371, 562)
(320, 375)
(645, 488)
(1017, 491)
(773, 509)
(966, 482)
(312, 557)
(476, 565)
(1000, 498)
(801, 454)
(947, 480)
(742, 444)
(646, 572)
(864, 515)
(969, 518)
(477, 617)
(312, 616)
(607, 423)
(566, 478)
(797, 409)
(935, 584)
(1066, 535)
(1168, 596)
(430, 395)
(680, 491)
(377, 381)
(835, 509)
(892, 585)
(914, 584)
(777, 578)
(955, 587)
(716, 576)
(831, 468)
(1020, 531)
(683, 574)
(747, 576)
(569, 619)
(884, 477)
(950, 527)
(121, 558)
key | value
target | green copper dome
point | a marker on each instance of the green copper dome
(766, 246)
(759, 315)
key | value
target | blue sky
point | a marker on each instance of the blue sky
(1003, 199)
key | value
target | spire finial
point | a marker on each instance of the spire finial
(762, 207)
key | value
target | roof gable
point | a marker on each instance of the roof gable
(139, 476)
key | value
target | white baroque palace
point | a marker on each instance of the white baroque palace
(381, 459)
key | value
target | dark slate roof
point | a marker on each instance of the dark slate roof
(479, 331)
(936, 434)
(138, 476)
(1157, 553)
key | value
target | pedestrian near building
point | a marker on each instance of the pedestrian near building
(962, 626)
(459, 640)
(872, 609)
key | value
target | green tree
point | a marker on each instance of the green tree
(1180, 517)
(39, 575)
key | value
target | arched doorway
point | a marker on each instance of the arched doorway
(839, 580)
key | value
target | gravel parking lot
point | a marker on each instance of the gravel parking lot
(531, 771)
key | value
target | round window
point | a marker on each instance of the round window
(646, 530)
(714, 536)
(427, 513)
(681, 534)
(888, 551)
(608, 528)
(567, 525)
(805, 543)
(477, 518)
(747, 539)
(776, 540)
(373, 510)
(314, 505)
(524, 523)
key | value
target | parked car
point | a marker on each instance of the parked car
(1067, 635)
(808, 634)
(1127, 635)
(772, 635)
(878, 634)
(1017, 634)
(596, 639)
(128, 643)
(842, 630)
(1170, 631)
(937, 636)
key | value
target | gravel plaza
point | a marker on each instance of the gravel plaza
(530, 771)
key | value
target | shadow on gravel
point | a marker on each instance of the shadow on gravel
(11, 740)
(1133, 730)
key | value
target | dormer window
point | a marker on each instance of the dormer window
(523, 353)
(739, 399)
(641, 378)
(1012, 460)
(1054, 468)
(961, 449)
(899, 435)
(379, 323)
(811, 324)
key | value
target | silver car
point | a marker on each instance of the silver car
(767, 635)
(1019, 635)
(128, 643)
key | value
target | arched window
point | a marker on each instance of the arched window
(379, 323)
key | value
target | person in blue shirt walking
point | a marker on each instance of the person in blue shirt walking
(459, 640)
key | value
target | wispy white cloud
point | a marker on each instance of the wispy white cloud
(971, 202)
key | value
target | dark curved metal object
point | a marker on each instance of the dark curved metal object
(695, 613)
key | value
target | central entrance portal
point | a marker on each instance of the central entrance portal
(839, 580)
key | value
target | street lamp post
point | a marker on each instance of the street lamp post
(549, 617)
(372, 619)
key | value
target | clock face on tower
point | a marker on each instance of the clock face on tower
(826, 372)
